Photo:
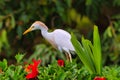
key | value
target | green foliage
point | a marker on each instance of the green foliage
(71, 15)
(116, 2)
(19, 57)
(78, 16)
(14, 72)
(111, 43)
(112, 73)
(53, 71)
(70, 71)
(3, 64)
(3, 40)
(89, 54)
(46, 54)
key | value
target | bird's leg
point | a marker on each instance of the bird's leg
(68, 56)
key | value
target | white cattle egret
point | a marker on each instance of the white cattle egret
(59, 38)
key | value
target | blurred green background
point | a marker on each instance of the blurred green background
(76, 16)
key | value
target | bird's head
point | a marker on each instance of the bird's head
(36, 25)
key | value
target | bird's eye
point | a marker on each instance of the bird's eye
(33, 26)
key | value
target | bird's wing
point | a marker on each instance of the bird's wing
(63, 39)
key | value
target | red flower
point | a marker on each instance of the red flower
(60, 63)
(99, 78)
(32, 69)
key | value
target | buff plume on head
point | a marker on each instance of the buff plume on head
(36, 25)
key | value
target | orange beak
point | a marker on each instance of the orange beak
(28, 30)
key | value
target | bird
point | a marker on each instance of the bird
(59, 38)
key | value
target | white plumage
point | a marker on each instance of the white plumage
(62, 39)
(59, 38)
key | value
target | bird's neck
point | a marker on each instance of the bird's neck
(45, 34)
(49, 37)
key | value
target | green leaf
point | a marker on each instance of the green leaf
(69, 2)
(117, 16)
(88, 51)
(81, 52)
(12, 21)
(89, 54)
(19, 57)
(89, 2)
(4, 38)
(3, 64)
(61, 76)
(97, 50)
(10, 71)
(18, 70)
(1, 24)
